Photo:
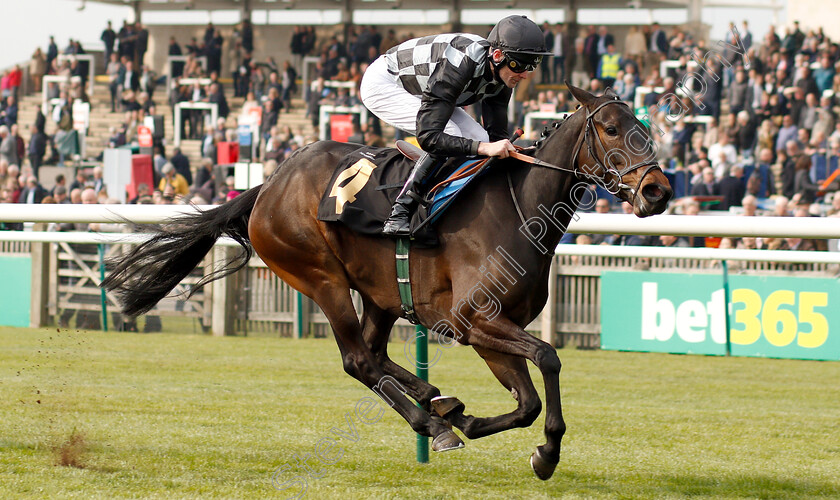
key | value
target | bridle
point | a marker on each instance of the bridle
(589, 132)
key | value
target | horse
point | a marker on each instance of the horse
(479, 287)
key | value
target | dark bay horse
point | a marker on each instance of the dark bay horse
(485, 282)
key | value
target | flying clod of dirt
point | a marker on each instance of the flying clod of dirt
(69, 453)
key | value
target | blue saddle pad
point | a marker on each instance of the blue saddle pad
(443, 196)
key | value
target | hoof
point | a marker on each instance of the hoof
(543, 467)
(446, 441)
(445, 405)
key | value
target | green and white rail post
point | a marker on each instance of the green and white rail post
(422, 365)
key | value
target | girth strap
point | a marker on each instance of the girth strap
(404, 280)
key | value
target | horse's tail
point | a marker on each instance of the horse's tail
(152, 269)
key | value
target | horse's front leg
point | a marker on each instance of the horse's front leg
(512, 372)
(503, 336)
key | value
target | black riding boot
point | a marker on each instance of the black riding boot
(399, 220)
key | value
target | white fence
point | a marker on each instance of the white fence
(564, 282)
(678, 225)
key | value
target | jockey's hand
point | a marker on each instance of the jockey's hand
(502, 148)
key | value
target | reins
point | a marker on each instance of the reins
(585, 138)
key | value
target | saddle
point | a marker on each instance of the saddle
(366, 183)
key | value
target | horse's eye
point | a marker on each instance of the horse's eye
(612, 130)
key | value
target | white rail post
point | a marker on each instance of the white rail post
(224, 294)
(40, 254)
(548, 326)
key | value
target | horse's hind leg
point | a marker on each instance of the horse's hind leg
(360, 363)
(376, 326)
(512, 372)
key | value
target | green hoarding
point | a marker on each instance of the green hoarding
(16, 291)
(778, 317)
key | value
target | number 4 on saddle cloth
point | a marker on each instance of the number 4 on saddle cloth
(366, 183)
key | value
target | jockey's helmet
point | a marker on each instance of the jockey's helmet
(521, 41)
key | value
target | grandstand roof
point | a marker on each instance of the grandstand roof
(159, 5)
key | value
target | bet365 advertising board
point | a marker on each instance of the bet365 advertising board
(776, 317)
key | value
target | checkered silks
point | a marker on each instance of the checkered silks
(414, 63)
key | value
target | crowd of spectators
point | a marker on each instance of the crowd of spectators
(751, 128)
(760, 121)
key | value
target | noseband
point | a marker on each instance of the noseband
(590, 135)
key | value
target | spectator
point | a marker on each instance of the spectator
(174, 49)
(115, 72)
(173, 181)
(217, 96)
(289, 84)
(205, 183)
(781, 207)
(60, 181)
(108, 38)
(722, 155)
(546, 63)
(787, 133)
(635, 45)
(560, 48)
(8, 146)
(745, 134)
(37, 148)
(20, 146)
(130, 78)
(52, 54)
(626, 88)
(805, 190)
(182, 164)
(37, 68)
(143, 191)
(33, 193)
(761, 182)
(750, 205)
(609, 65)
(60, 195)
(658, 43)
(824, 75)
(590, 52)
(732, 187)
(98, 181)
(670, 241)
(788, 174)
(808, 115)
(141, 44)
(737, 92)
(707, 186)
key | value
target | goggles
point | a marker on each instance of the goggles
(522, 63)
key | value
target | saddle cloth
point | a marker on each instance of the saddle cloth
(365, 184)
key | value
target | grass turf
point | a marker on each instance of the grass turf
(192, 416)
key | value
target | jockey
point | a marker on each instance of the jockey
(420, 86)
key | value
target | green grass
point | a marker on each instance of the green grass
(192, 416)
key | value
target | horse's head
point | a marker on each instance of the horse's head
(615, 150)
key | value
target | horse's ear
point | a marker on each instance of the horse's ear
(611, 93)
(583, 97)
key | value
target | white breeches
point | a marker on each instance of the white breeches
(388, 100)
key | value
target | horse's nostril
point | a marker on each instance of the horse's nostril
(652, 192)
(655, 192)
